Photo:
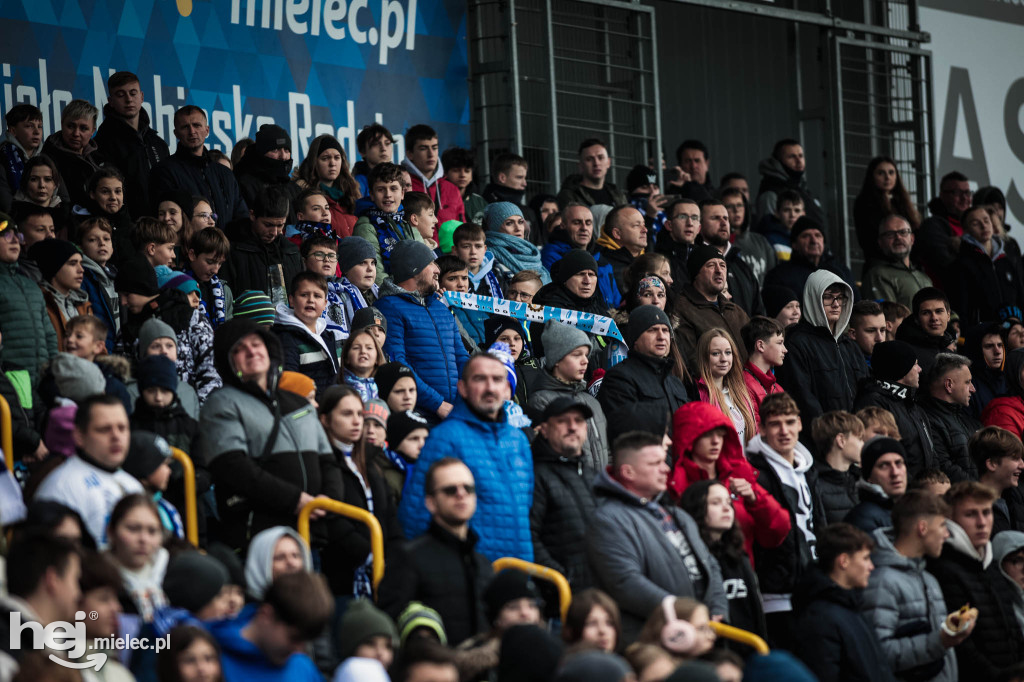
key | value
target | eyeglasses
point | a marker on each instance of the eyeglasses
(905, 232)
(206, 215)
(12, 235)
(688, 217)
(959, 193)
(829, 299)
(324, 257)
(453, 490)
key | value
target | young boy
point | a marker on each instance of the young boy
(385, 224)
(60, 264)
(838, 438)
(407, 432)
(309, 348)
(374, 143)
(158, 408)
(454, 276)
(95, 239)
(148, 460)
(878, 422)
(934, 481)
(775, 228)
(508, 183)
(85, 339)
(22, 141)
(419, 211)
(154, 240)
(355, 289)
(207, 251)
(469, 243)
(312, 217)
(895, 313)
(459, 167)
(764, 339)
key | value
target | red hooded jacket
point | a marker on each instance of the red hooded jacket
(764, 519)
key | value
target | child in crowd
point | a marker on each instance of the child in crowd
(168, 279)
(878, 422)
(299, 384)
(776, 228)
(838, 439)
(155, 241)
(459, 167)
(308, 346)
(207, 251)
(35, 223)
(60, 264)
(361, 356)
(157, 338)
(158, 408)
(174, 209)
(764, 339)
(701, 638)
(419, 211)
(367, 632)
(106, 200)
(524, 286)
(22, 141)
(85, 339)
(396, 385)
(135, 531)
(372, 320)
(95, 239)
(469, 243)
(933, 480)
(374, 143)
(895, 313)
(375, 422)
(407, 432)
(355, 289)
(312, 217)
(385, 224)
(511, 332)
(149, 461)
(41, 185)
(720, 381)
(454, 276)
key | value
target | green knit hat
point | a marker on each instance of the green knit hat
(445, 232)
(361, 621)
(418, 615)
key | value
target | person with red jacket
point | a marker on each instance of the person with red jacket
(424, 166)
(764, 339)
(705, 445)
(1007, 412)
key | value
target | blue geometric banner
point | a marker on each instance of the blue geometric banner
(310, 66)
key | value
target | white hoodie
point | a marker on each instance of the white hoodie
(792, 475)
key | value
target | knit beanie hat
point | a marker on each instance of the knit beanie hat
(700, 255)
(369, 317)
(446, 233)
(377, 410)
(136, 276)
(528, 653)
(157, 371)
(51, 255)
(409, 258)
(776, 298)
(153, 329)
(417, 615)
(387, 376)
(146, 452)
(330, 142)
(180, 197)
(77, 379)
(352, 251)
(506, 586)
(640, 176)
(573, 262)
(256, 306)
(501, 351)
(643, 318)
(270, 137)
(497, 213)
(296, 382)
(193, 579)
(363, 620)
(401, 424)
(802, 224)
(891, 360)
(496, 324)
(875, 448)
(560, 339)
(173, 279)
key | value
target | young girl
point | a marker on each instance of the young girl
(710, 504)
(686, 609)
(202, 217)
(192, 657)
(407, 432)
(593, 618)
(362, 355)
(326, 168)
(720, 381)
(136, 536)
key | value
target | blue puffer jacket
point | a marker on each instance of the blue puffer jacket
(553, 252)
(423, 336)
(499, 457)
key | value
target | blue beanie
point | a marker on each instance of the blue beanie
(158, 371)
(501, 351)
(497, 213)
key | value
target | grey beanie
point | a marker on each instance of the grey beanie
(352, 251)
(153, 329)
(560, 339)
(409, 258)
(643, 318)
(77, 379)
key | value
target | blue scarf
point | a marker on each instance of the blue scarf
(486, 274)
(217, 290)
(390, 229)
(306, 229)
(343, 300)
(516, 254)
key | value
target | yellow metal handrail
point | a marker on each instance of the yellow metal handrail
(7, 433)
(191, 513)
(741, 636)
(352, 512)
(542, 572)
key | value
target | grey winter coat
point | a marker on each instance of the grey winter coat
(904, 605)
(595, 449)
(1004, 544)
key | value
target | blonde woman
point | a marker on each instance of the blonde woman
(720, 381)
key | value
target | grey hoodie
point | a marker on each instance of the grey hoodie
(814, 309)
(1004, 544)
(259, 562)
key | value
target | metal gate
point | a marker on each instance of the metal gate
(547, 74)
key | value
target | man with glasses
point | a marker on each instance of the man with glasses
(682, 225)
(939, 234)
(441, 569)
(895, 278)
(190, 168)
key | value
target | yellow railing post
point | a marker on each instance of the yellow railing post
(543, 573)
(741, 636)
(191, 513)
(352, 512)
(7, 433)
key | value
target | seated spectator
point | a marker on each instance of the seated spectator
(782, 305)
(361, 356)
(191, 647)
(742, 284)
(136, 538)
(867, 328)
(35, 223)
(639, 551)
(207, 250)
(31, 337)
(720, 381)
(947, 407)
(374, 143)
(149, 461)
(593, 619)
(754, 248)
(703, 305)
(307, 346)
(575, 232)
(676, 241)
(94, 238)
(155, 241)
(60, 264)
(650, 661)
(73, 149)
(424, 167)
(891, 276)
(834, 640)
(453, 276)
(195, 582)
(941, 232)
(159, 408)
(999, 459)
(776, 226)
(85, 335)
(699, 637)
(591, 186)
(984, 347)
(258, 245)
(42, 187)
(810, 254)
(1008, 551)
(268, 640)
(895, 378)
(884, 465)
(100, 584)
(14, 380)
(574, 285)
(22, 140)
(442, 568)
(469, 244)
(92, 481)
(506, 241)
(355, 289)
(927, 328)
(894, 313)
(838, 439)
(623, 241)
(460, 169)
(274, 552)
(326, 167)
(106, 200)
(366, 632)
(882, 196)
(157, 338)
(989, 276)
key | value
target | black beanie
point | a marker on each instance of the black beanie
(528, 653)
(509, 585)
(643, 318)
(180, 197)
(874, 449)
(640, 176)
(51, 255)
(496, 324)
(193, 580)
(700, 255)
(136, 276)
(573, 262)
(157, 371)
(146, 452)
(802, 224)
(387, 375)
(330, 142)
(401, 424)
(270, 137)
(891, 360)
(776, 298)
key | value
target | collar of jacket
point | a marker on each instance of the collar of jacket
(191, 159)
(446, 537)
(698, 299)
(543, 452)
(898, 391)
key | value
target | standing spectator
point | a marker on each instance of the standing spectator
(422, 333)
(126, 140)
(882, 195)
(867, 328)
(785, 170)
(742, 284)
(22, 140)
(1007, 411)
(838, 438)
(423, 164)
(754, 248)
(460, 170)
(623, 240)
(884, 464)
(927, 329)
(984, 346)
(442, 569)
(765, 343)
(60, 264)
(308, 346)
(951, 424)
(989, 276)
(782, 305)
(207, 251)
(892, 276)
(777, 227)
(508, 183)
(496, 452)
(940, 232)
(574, 285)
(810, 254)
(326, 168)
(95, 239)
(591, 186)
(374, 143)
(258, 245)
(676, 241)
(74, 150)
(720, 381)
(384, 224)
(998, 456)
(265, 166)
(576, 231)
(507, 242)
(704, 306)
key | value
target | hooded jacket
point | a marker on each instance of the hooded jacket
(563, 505)
(446, 196)
(423, 335)
(75, 169)
(763, 521)
(250, 258)
(62, 307)
(240, 659)
(775, 179)
(1007, 412)
(499, 456)
(1003, 545)
(204, 177)
(833, 639)
(967, 578)
(984, 284)
(595, 450)
(642, 385)
(910, 420)
(30, 339)
(697, 315)
(259, 559)
(815, 372)
(134, 153)
(635, 562)
(258, 484)
(318, 356)
(951, 425)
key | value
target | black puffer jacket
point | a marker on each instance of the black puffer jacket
(996, 642)
(836, 490)
(641, 386)
(563, 504)
(816, 373)
(201, 176)
(925, 345)
(874, 510)
(250, 257)
(951, 426)
(910, 420)
(443, 572)
(984, 286)
(135, 153)
(833, 639)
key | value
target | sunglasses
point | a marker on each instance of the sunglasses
(453, 490)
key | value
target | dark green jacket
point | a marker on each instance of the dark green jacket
(29, 339)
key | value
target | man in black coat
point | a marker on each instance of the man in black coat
(895, 378)
(950, 421)
(810, 254)
(834, 640)
(968, 575)
(676, 240)
(258, 243)
(926, 329)
(441, 568)
(190, 168)
(563, 499)
(885, 480)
